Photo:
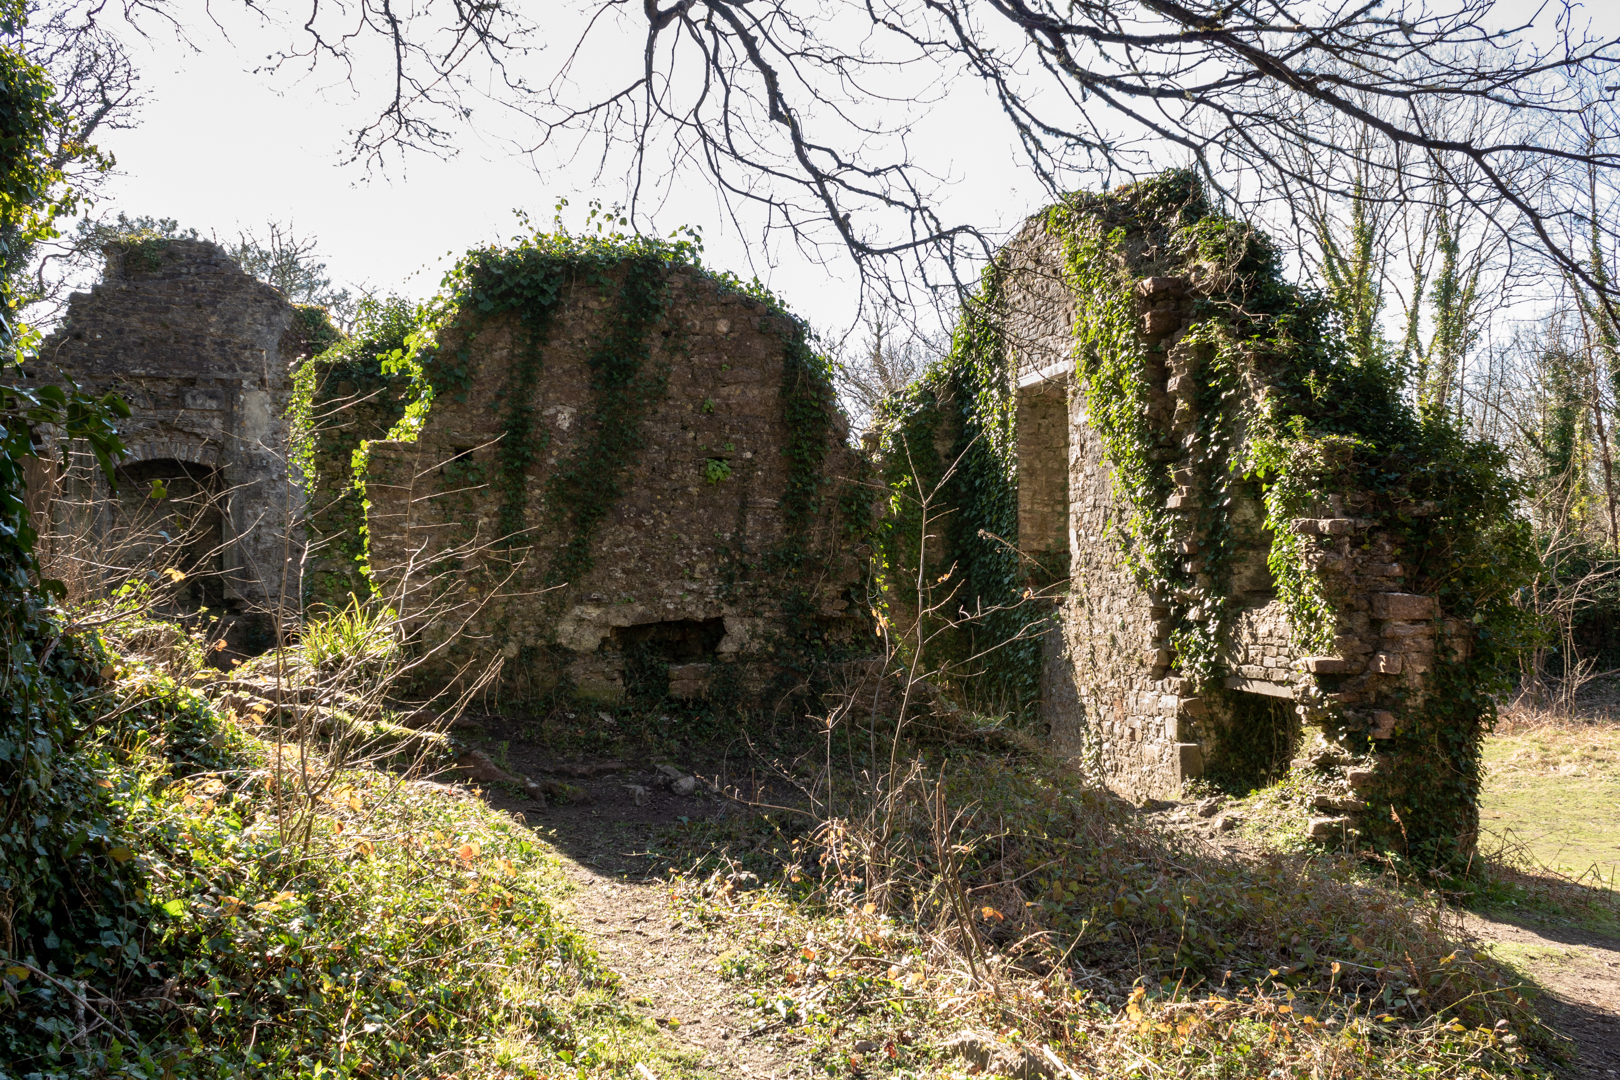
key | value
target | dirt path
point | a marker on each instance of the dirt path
(1580, 974)
(669, 968)
(607, 836)
(669, 971)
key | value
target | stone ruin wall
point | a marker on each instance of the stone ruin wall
(680, 572)
(1111, 695)
(202, 352)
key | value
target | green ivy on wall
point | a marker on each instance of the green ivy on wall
(951, 437)
(629, 277)
(1329, 421)
(530, 279)
(351, 391)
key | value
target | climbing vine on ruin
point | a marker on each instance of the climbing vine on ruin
(623, 390)
(529, 280)
(627, 279)
(1329, 423)
(980, 584)
(346, 393)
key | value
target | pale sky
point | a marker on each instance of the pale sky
(221, 148)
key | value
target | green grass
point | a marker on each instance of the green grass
(356, 634)
(309, 921)
(1554, 790)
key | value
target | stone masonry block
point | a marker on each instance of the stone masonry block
(1402, 606)
(1161, 286)
(1160, 322)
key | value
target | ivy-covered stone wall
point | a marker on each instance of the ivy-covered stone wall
(631, 481)
(353, 392)
(1273, 560)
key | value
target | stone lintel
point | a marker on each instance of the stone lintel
(1260, 686)
(1050, 373)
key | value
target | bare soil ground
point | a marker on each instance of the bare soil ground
(606, 833)
(1579, 974)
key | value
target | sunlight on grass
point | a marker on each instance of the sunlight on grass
(1554, 788)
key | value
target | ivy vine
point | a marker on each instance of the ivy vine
(975, 475)
(1330, 421)
(346, 394)
(531, 279)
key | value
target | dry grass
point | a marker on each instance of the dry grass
(1047, 917)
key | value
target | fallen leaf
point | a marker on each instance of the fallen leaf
(18, 973)
(120, 854)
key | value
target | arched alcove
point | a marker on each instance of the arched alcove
(167, 517)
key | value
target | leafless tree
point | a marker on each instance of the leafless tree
(890, 357)
(799, 114)
(292, 264)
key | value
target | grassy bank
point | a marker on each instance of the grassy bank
(1552, 789)
(968, 904)
(263, 912)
